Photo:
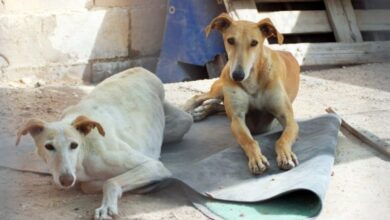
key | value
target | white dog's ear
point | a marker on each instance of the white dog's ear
(268, 29)
(84, 125)
(221, 23)
(33, 126)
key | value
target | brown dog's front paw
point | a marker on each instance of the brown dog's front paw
(258, 165)
(199, 113)
(207, 108)
(287, 160)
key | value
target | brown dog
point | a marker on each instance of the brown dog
(256, 85)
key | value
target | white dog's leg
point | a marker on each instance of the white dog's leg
(141, 175)
(177, 123)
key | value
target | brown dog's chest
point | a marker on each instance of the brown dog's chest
(259, 100)
(251, 87)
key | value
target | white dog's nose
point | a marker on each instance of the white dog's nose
(66, 180)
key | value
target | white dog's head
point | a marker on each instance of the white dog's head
(59, 145)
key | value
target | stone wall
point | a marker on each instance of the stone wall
(82, 39)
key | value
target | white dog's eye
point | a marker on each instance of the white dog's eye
(73, 145)
(49, 147)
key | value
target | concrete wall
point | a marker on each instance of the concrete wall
(82, 39)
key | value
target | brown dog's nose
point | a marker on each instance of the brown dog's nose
(66, 180)
(238, 74)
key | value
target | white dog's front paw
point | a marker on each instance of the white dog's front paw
(106, 212)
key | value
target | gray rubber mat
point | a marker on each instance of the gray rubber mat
(210, 163)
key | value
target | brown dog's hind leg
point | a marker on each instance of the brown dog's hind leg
(286, 158)
(208, 107)
(195, 102)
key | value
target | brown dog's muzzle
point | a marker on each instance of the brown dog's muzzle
(238, 74)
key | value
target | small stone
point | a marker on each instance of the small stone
(39, 84)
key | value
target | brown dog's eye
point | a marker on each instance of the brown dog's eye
(73, 145)
(254, 43)
(231, 41)
(49, 147)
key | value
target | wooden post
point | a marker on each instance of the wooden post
(343, 21)
(378, 145)
(242, 9)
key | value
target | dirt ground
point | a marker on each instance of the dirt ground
(359, 187)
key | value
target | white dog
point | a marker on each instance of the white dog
(131, 119)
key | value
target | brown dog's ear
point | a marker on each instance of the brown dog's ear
(268, 29)
(84, 125)
(220, 23)
(33, 126)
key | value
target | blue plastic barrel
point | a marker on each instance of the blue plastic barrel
(184, 39)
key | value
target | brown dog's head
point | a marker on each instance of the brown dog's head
(243, 42)
(58, 144)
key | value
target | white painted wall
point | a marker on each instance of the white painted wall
(88, 39)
